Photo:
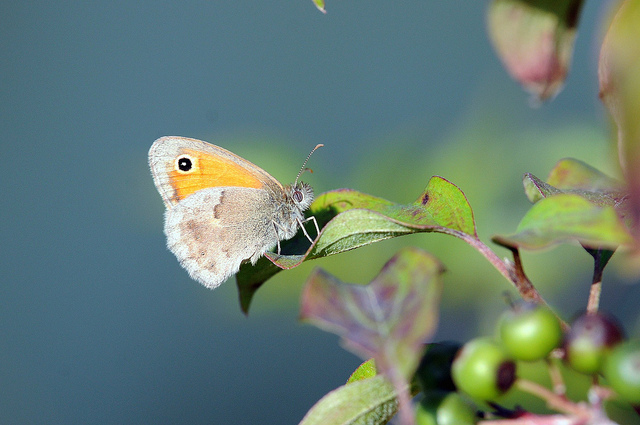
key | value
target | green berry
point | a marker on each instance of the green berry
(591, 337)
(444, 408)
(434, 371)
(621, 367)
(483, 369)
(530, 331)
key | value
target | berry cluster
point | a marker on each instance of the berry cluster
(485, 368)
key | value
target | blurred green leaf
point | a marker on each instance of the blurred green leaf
(351, 219)
(365, 370)
(569, 173)
(536, 189)
(369, 401)
(389, 319)
(535, 39)
(564, 218)
(320, 5)
(573, 176)
(619, 74)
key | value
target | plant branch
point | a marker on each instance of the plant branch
(523, 283)
(513, 272)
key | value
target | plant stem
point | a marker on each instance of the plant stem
(557, 382)
(524, 285)
(533, 420)
(596, 288)
(405, 409)
(600, 259)
(594, 297)
(554, 401)
(514, 273)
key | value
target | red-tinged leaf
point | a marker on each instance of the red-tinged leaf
(535, 39)
(619, 74)
(389, 319)
(565, 218)
(351, 219)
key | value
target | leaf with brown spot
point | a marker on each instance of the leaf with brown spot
(351, 219)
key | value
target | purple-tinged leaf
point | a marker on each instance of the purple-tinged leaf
(535, 39)
(389, 319)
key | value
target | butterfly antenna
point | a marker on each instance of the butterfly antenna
(303, 169)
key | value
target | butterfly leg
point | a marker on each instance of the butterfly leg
(301, 223)
(275, 228)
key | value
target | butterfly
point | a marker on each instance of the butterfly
(221, 209)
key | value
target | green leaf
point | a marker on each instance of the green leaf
(536, 189)
(571, 176)
(369, 401)
(320, 5)
(564, 218)
(569, 173)
(351, 219)
(441, 204)
(365, 370)
(535, 39)
(389, 319)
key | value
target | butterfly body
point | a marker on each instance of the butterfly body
(221, 209)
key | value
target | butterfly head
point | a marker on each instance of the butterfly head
(300, 194)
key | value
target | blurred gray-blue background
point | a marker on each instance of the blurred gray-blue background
(98, 322)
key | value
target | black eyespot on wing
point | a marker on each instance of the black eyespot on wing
(185, 164)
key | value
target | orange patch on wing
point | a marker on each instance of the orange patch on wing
(210, 171)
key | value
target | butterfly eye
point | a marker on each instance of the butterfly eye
(298, 196)
(184, 164)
